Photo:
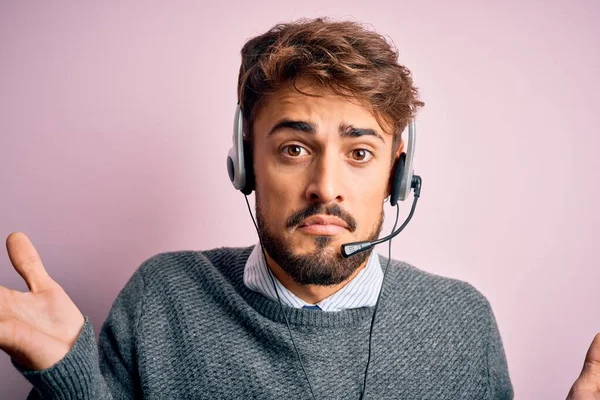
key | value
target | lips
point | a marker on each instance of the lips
(323, 226)
(323, 220)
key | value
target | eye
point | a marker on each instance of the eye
(361, 155)
(294, 150)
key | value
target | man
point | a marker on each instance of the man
(323, 106)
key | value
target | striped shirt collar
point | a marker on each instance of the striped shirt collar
(362, 291)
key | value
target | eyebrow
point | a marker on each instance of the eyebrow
(345, 130)
(301, 126)
(350, 131)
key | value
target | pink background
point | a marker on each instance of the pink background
(115, 121)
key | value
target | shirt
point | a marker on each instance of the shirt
(362, 291)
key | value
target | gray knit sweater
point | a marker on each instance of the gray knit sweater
(185, 326)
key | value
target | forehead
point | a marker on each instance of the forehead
(324, 109)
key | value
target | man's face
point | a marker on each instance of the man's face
(322, 167)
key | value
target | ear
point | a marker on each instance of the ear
(399, 151)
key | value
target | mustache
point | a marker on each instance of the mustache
(319, 209)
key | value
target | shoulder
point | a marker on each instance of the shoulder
(437, 295)
(177, 267)
(447, 319)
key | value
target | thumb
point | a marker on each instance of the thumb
(589, 379)
(587, 385)
(26, 261)
(592, 358)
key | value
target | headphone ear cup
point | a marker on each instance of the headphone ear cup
(249, 167)
(397, 179)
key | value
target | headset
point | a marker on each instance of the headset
(241, 174)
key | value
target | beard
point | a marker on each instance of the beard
(324, 266)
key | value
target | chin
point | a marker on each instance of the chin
(311, 243)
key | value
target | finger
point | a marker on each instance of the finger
(30, 347)
(7, 301)
(593, 353)
(26, 261)
(589, 379)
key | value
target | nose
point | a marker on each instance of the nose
(326, 181)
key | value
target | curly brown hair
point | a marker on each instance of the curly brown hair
(344, 57)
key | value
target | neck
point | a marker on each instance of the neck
(311, 294)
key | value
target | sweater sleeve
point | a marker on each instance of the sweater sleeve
(499, 384)
(107, 370)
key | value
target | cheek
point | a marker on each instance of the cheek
(370, 213)
(277, 187)
(279, 195)
(369, 187)
(368, 200)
